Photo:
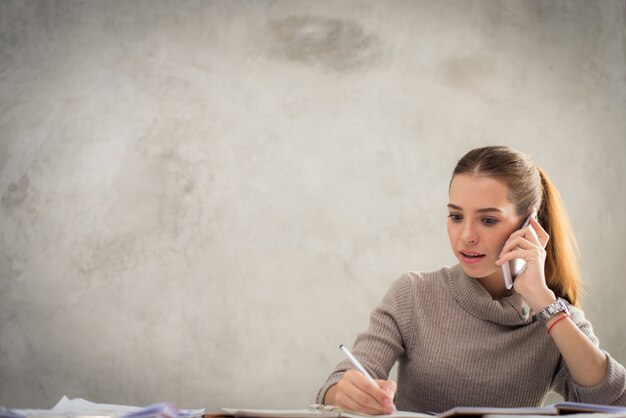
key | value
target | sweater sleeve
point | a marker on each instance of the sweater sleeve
(611, 391)
(386, 337)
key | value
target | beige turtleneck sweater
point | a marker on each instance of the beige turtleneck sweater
(456, 346)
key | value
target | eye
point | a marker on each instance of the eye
(489, 221)
(455, 217)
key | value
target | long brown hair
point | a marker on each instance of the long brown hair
(530, 186)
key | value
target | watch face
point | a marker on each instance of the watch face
(554, 308)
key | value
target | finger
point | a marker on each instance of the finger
(514, 235)
(517, 233)
(389, 386)
(362, 401)
(518, 243)
(346, 401)
(378, 397)
(541, 233)
(526, 255)
(530, 234)
(354, 405)
(534, 238)
(350, 397)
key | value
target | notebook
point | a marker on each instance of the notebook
(327, 411)
(561, 408)
(313, 411)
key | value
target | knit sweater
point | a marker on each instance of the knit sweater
(456, 346)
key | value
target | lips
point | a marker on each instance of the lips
(471, 257)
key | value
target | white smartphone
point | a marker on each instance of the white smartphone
(515, 266)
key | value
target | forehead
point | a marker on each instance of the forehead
(475, 192)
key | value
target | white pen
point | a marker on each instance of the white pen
(357, 364)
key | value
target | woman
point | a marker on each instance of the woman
(460, 336)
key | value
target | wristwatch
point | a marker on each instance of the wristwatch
(552, 309)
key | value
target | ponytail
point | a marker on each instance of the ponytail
(562, 268)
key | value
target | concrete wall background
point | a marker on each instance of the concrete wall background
(201, 200)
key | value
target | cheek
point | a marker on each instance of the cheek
(496, 240)
(451, 231)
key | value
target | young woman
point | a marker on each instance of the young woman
(460, 336)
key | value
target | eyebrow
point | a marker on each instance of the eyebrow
(451, 206)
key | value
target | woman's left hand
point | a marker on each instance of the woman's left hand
(529, 244)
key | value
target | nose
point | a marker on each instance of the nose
(468, 233)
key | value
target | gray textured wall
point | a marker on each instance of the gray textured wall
(201, 200)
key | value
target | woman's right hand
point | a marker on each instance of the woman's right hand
(355, 392)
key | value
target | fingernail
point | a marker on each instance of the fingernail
(500, 262)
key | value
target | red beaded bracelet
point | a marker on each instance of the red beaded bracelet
(556, 322)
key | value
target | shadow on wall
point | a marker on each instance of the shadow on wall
(335, 44)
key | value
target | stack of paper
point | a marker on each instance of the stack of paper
(81, 408)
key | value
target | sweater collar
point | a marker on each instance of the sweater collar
(474, 298)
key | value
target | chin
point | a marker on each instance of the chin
(478, 272)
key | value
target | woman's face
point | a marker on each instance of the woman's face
(481, 219)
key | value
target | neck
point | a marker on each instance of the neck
(494, 284)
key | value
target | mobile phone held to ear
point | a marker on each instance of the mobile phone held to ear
(515, 266)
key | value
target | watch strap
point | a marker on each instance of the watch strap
(552, 309)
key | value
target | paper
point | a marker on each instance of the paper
(312, 413)
(81, 408)
(321, 411)
(576, 415)
(561, 408)
(84, 407)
